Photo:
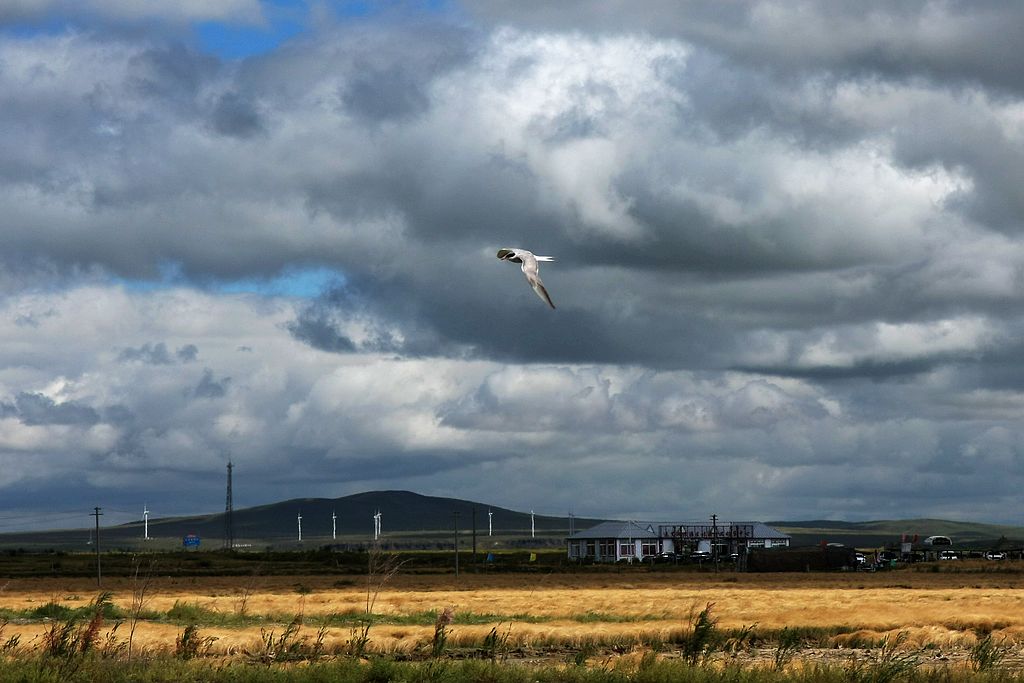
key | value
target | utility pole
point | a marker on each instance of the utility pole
(455, 515)
(145, 517)
(533, 527)
(334, 525)
(300, 527)
(99, 576)
(490, 519)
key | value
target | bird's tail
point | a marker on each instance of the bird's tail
(545, 258)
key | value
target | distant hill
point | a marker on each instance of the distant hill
(410, 518)
(880, 532)
(402, 513)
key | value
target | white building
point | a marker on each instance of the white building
(633, 540)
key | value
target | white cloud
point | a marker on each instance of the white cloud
(714, 202)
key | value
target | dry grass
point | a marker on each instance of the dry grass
(934, 609)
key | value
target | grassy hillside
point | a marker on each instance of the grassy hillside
(406, 517)
(414, 520)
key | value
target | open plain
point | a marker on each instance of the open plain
(939, 611)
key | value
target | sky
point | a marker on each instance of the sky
(789, 240)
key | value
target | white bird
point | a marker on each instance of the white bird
(530, 269)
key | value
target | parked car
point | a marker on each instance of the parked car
(995, 555)
(948, 555)
(700, 556)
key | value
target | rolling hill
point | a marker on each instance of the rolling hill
(411, 519)
(404, 515)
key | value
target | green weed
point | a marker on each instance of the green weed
(988, 653)
(190, 644)
(496, 643)
(441, 631)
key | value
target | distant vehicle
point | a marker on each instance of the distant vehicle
(995, 555)
(666, 558)
(700, 556)
(948, 555)
(860, 559)
(938, 540)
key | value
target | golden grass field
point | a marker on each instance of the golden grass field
(944, 610)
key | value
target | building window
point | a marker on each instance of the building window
(607, 549)
(627, 550)
(590, 549)
(649, 548)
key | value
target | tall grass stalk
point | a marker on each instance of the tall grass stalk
(890, 663)
(65, 644)
(496, 643)
(191, 644)
(698, 646)
(140, 586)
(380, 569)
(441, 631)
(786, 648)
(988, 653)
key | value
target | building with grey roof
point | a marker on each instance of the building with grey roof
(637, 541)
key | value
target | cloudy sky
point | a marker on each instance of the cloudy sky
(790, 243)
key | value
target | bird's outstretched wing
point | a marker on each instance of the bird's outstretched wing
(530, 269)
(538, 287)
(532, 272)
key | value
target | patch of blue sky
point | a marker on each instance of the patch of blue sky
(299, 282)
(304, 283)
(46, 26)
(238, 42)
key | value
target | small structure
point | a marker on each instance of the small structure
(614, 541)
(637, 541)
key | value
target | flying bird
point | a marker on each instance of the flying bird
(530, 269)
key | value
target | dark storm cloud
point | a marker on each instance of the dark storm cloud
(382, 95)
(209, 387)
(154, 354)
(187, 353)
(37, 409)
(32, 319)
(384, 83)
(235, 116)
(157, 354)
(172, 74)
(314, 327)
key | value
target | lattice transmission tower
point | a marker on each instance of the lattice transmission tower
(229, 516)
